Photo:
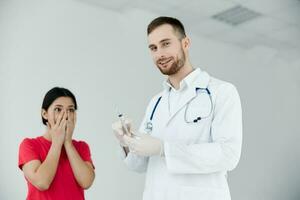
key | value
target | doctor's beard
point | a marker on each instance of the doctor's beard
(176, 65)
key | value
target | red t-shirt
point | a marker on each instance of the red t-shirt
(64, 185)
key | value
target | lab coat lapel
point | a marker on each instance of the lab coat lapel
(188, 95)
(163, 109)
(201, 81)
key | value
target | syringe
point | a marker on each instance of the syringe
(122, 120)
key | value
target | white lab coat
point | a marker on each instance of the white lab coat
(197, 155)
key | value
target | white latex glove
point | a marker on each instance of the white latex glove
(119, 132)
(144, 145)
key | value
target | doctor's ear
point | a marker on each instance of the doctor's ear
(186, 43)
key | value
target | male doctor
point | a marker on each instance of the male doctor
(191, 134)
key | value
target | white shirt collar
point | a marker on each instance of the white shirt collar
(184, 83)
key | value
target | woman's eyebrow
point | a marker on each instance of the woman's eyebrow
(58, 105)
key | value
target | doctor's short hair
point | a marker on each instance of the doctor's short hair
(52, 95)
(175, 23)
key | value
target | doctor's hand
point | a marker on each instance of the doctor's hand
(120, 132)
(144, 145)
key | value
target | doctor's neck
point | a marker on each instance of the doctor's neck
(176, 78)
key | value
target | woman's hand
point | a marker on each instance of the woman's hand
(58, 131)
(70, 127)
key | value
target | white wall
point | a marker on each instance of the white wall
(102, 57)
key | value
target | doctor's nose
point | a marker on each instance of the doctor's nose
(160, 56)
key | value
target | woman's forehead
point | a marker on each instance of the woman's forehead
(63, 101)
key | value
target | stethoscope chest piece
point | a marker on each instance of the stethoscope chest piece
(149, 127)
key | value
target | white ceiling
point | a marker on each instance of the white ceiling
(277, 27)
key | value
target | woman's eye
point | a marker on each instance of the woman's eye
(71, 110)
(57, 109)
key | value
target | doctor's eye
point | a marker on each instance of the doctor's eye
(166, 44)
(153, 48)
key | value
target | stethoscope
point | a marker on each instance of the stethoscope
(149, 124)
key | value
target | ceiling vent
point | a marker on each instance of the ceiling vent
(236, 15)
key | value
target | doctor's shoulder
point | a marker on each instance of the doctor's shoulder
(222, 89)
(154, 100)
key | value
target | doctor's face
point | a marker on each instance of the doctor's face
(166, 49)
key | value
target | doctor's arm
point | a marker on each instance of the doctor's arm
(136, 163)
(133, 162)
(223, 152)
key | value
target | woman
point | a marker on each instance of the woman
(56, 166)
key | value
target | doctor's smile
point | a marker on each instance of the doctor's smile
(164, 62)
